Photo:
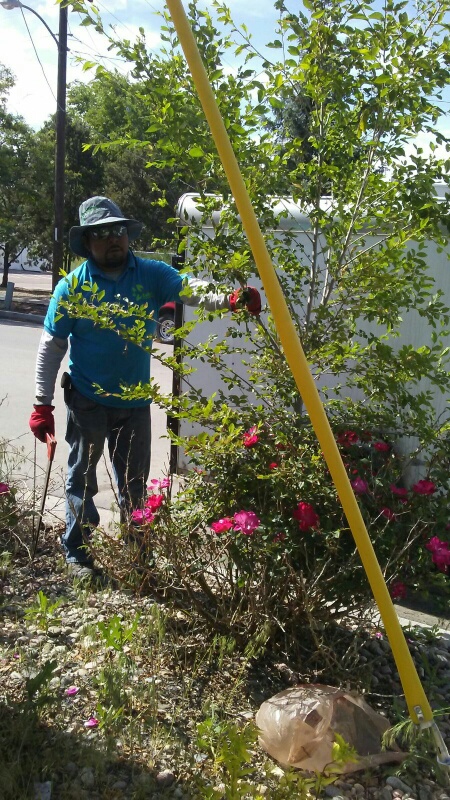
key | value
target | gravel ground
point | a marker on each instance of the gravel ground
(172, 680)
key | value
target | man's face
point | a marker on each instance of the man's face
(108, 245)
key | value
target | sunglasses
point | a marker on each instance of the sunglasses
(105, 231)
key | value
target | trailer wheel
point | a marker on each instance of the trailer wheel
(166, 329)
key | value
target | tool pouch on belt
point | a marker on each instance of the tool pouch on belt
(66, 384)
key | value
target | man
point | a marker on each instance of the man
(99, 357)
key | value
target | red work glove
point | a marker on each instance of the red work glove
(42, 422)
(248, 297)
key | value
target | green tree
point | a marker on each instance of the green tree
(15, 139)
(83, 178)
(117, 118)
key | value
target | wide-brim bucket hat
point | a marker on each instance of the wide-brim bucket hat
(99, 211)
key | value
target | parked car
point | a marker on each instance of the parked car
(166, 323)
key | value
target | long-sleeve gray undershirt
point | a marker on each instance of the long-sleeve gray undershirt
(51, 352)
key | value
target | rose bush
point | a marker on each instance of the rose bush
(261, 546)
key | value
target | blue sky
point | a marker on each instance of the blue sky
(34, 96)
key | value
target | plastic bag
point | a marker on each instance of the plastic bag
(297, 727)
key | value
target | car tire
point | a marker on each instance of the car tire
(166, 329)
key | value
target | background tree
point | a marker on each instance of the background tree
(15, 142)
(83, 178)
(117, 118)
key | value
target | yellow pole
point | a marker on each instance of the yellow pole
(414, 693)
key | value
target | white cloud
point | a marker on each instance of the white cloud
(34, 94)
(34, 97)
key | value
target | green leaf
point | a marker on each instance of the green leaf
(196, 152)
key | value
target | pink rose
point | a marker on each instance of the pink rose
(440, 553)
(154, 501)
(306, 516)
(441, 558)
(159, 484)
(359, 486)
(222, 525)
(388, 513)
(246, 522)
(424, 487)
(92, 722)
(142, 516)
(251, 438)
(4, 488)
(435, 543)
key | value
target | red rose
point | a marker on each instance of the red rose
(399, 491)
(251, 438)
(424, 487)
(306, 516)
(155, 501)
(382, 447)
(398, 590)
(386, 512)
(347, 438)
(222, 525)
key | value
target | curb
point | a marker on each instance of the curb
(18, 316)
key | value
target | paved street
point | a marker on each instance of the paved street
(19, 342)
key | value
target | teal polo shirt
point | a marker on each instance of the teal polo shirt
(102, 357)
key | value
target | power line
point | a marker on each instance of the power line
(37, 55)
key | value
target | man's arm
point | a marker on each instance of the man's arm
(211, 301)
(248, 298)
(51, 352)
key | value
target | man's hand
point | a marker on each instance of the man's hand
(42, 422)
(248, 298)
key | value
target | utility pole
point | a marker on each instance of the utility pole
(60, 149)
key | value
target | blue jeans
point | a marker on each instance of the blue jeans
(127, 431)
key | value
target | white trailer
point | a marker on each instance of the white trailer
(294, 219)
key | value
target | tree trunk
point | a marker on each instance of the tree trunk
(6, 266)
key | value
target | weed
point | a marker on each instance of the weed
(229, 748)
(420, 746)
(37, 687)
(115, 634)
(43, 612)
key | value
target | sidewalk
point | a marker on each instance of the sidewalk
(31, 296)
